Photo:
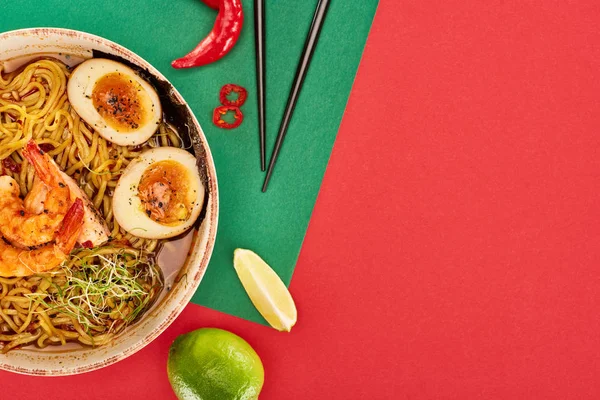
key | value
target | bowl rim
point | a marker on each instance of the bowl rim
(212, 195)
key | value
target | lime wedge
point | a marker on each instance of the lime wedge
(266, 290)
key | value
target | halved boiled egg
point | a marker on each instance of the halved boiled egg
(121, 106)
(160, 194)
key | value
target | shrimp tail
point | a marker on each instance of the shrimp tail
(40, 163)
(71, 227)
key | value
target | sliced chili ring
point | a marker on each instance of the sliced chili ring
(221, 111)
(232, 88)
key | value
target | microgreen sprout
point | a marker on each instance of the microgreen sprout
(105, 289)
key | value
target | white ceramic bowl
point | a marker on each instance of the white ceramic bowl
(18, 47)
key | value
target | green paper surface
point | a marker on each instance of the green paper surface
(273, 224)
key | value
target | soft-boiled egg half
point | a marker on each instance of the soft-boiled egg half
(121, 106)
(160, 194)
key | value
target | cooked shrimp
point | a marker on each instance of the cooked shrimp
(19, 225)
(34, 201)
(21, 262)
(94, 232)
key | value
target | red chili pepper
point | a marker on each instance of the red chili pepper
(212, 3)
(222, 110)
(227, 90)
(87, 244)
(11, 165)
(46, 147)
(220, 40)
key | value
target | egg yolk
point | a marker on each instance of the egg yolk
(120, 101)
(164, 192)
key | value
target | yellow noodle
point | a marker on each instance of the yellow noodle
(27, 321)
(19, 339)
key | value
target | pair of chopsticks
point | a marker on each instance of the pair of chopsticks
(303, 64)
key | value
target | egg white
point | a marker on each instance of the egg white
(79, 91)
(127, 206)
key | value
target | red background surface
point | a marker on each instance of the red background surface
(453, 251)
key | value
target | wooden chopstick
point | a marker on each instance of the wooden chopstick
(259, 39)
(305, 58)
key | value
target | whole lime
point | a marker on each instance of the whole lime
(211, 363)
